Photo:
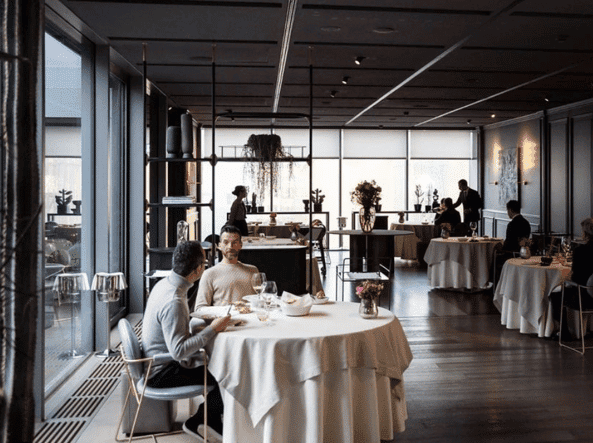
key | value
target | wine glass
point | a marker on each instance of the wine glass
(473, 226)
(269, 293)
(258, 280)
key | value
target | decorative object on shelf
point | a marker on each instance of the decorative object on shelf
(63, 200)
(68, 288)
(260, 209)
(253, 202)
(108, 287)
(445, 231)
(368, 293)
(173, 141)
(435, 200)
(366, 194)
(76, 204)
(187, 136)
(265, 151)
(273, 216)
(182, 231)
(306, 202)
(378, 206)
(317, 200)
(402, 215)
(419, 199)
(428, 208)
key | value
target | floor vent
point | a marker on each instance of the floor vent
(69, 420)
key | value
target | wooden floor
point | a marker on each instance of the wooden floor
(471, 380)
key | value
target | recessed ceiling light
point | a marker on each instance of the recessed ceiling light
(469, 120)
(358, 60)
(493, 115)
(383, 30)
(546, 99)
(345, 80)
(331, 28)
(332, 94)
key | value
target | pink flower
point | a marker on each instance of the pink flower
(359, 289)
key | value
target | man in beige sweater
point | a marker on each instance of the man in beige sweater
(230, 279)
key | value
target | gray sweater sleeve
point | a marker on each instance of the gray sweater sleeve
(175, 323)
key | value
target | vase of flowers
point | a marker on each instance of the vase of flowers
(445, 231)
(367, 195)
(368, 293)
(419, 193)
(273, 216)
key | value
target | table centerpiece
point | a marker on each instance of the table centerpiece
(368, 294)
(366, 194)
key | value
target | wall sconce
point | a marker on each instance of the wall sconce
(68, 288)
(522, 182)
(495, 183)
(108, 287)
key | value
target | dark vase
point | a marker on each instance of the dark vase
(260, 209)
(378, 208)
(76, 204)
(248, 208)
(367, 219)
(254, 209)
(417, 208)
(63, 209)
(427, 208)
(173, 141)
(306, 202)
(316, 207)
(187, 136)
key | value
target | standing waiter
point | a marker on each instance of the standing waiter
(238, 211)
(472, 202)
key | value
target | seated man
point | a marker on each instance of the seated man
(517, 229)
(166, 329)
(230, 279)
(449, 215)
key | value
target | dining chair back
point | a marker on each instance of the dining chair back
(138, 369)
(585, 307)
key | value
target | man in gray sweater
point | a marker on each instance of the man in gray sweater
(166, 329)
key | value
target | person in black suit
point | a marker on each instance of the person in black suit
(471, 200)
(517, 229)
(449, 215)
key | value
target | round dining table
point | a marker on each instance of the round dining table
(523, 291)
(460, 264)
(327, 376)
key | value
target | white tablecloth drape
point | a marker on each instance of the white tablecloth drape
(522, 294)
(455, 264)
(307, 376)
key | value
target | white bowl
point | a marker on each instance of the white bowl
(462, 239)
(320, 301)
(295, 311)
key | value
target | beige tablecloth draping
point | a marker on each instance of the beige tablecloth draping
(407, 247)
(454, 264)
(522, 294)
(328, 376)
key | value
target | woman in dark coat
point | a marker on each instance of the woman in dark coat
(238, 211)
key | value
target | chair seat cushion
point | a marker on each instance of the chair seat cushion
(177, 393)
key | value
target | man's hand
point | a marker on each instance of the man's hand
(221, 323)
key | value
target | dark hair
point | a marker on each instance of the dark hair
(462, 182)
(514, 206)
(239, 189)
(448, 202)
(231, 229)
(587, 226)
(187, 257)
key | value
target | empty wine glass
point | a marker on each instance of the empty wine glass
(473, 226)
(257, 281)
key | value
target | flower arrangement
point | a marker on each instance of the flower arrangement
(369, 290)
(366, 194)
(419, 193)
(265, 151)
(317, 199)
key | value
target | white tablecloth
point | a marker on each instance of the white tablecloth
(522, 294)
(328, 376)
(454, 264)
(406, 247)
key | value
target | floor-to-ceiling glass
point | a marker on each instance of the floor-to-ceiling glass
(67, 316)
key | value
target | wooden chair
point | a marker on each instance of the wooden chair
(135, 364)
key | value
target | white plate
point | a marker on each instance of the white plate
(251, 298)
(320, 301)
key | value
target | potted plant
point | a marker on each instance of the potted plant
(63, 201)
(317, 200)
(265, 151)
(369, 292)
(419, 199)
(366, 194)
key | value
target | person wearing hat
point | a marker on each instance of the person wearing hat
(238, 211)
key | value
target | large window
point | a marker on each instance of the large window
(67, 240)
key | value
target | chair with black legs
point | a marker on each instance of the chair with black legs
(138, 370)
(583, 305)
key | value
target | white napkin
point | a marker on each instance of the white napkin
(296, 300)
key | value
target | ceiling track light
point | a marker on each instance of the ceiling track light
(358, 60)
(345, 80)
(332, 94)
